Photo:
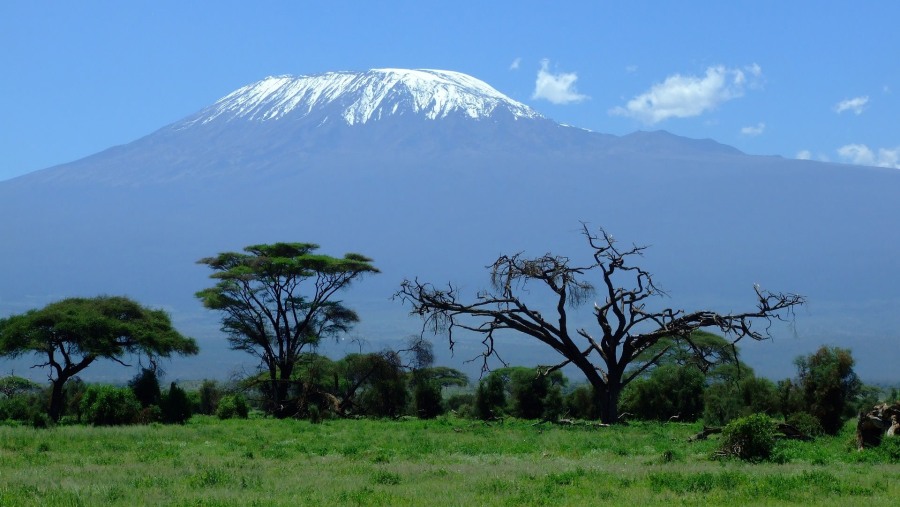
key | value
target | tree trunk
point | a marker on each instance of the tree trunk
(57, 399)
(608, 397)
(281, 388)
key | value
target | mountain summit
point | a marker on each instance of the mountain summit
(434, 174)
(360, 97)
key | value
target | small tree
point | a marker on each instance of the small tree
(490, 397)
(669, 392)
(209, 395)
(627, 327)
(145, 386)
(69, 335)
(829, 385)
(175, 405)
(104, 405)
(278, 301)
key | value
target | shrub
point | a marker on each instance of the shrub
(175, 405)
(580, 402)
(145, 386)
(807, 423)
(104, 405)
(725, 401)
(750, 438)
(21, 407)
(428, 400)
(490, 397)
(669, 391)
(210, 395)
(829, 384)
(231, 406)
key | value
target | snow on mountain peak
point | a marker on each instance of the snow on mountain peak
(359, 97)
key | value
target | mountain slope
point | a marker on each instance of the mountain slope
(439, 196)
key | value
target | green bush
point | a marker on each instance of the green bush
(580, 403)
(807, 423)
(725, 401)
(428, 400)
(890, 449)
(209, 396)
(232, 406)
(669, 391)
(829, 385)
(145, 386)
(175, 405)
(20, 407)
(750, 438)
(104, 405)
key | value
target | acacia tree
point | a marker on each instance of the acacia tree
(277, 302)
(69, 335)
(627, 327)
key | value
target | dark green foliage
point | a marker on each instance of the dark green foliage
(890, 449)
(21, 399)
(22, 407)
(69, 335)
(750, 438)
(428, 399)
(529, 391)
(461, 403)
(145, 386)
(104, 405)
(829, 386)
(175, 405)
(580, 403)
(790, 397)
(385, 393)
(14, 386)
(522, 392)
(232, 406)
(806, 423)
(725, 401)
(72, 394)
(370, 384)
(276, 305)
(490, 397)
(704, 351)
(209, 396)
(670, 391)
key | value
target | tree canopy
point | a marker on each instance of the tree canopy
(610, 358)
(278, 301)
(69, 335)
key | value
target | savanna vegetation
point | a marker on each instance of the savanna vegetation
(665, 410)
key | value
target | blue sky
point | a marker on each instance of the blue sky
(797, 79)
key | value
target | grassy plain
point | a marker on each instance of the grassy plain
(447, 461)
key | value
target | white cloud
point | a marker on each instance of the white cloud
(861, 154)
(856, 104)
(557, 88)
(754, 130)
(686, 96)
(804, 155)
(515, 64)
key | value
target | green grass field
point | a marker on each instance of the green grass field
(446, 461)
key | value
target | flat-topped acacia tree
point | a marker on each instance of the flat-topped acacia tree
(69, 335)
(277, 302)
(609, 358)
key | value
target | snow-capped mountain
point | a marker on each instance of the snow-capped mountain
(359, 97)
(434, 174)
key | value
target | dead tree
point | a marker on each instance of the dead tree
(610, 357)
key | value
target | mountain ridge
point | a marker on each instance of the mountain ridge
(440, 199)
(360, 97)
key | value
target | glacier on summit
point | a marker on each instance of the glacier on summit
(360, 97)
